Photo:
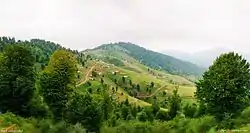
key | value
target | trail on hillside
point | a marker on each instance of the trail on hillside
(86, 76)
(155, 92)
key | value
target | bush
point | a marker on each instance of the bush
(48, 126)
(142, 116)
(177, 125)
(243, 119)
(37, 108)
(246, 114)
(17, 123)
(201, 125)
(189, 110)
(162, 115)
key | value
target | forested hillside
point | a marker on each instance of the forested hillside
(77, 93)
(150, 58)
(40, 49)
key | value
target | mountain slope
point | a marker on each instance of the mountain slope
(203, 58)
(131, 52)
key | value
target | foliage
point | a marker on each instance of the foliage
(57, 106)
(94, 74)
(85, 110)
(162, 115)
(190, 110)
(40, 49)
(224, 88)
(174, 102)
(17, 79)
(114, 61)
(58, 81)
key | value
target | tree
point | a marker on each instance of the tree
(94, 74)
(138, 87)
(162, 115)
(102, 81)
(58, 80)
(89, 84)
(123, 80)
(224, 88)
(174, 102)
(83, 63)
(107, 105)
(190, 110)
(85, 110)
(17, 79)
(142, 116)
(125, 111)
(156, 108)
(130, 82)
(152, 84)
(90, 90)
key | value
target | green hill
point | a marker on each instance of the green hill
(128, 52)
(112, 88)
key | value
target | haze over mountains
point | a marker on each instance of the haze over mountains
(121, 51)
(203, 58)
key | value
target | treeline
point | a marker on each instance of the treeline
(48, 101)
(40, 49)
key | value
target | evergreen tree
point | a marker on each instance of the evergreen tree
(152, 84)
(138, 87)
(174, 102)
(123, 80)
(130, 82)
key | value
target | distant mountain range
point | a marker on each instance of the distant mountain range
(118, 52)
(203, 58)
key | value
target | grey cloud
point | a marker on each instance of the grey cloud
(157, 24)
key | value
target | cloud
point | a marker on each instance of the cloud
(160, 24)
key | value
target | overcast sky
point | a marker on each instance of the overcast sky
(184, 25)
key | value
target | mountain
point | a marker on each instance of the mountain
(121, 51)
(203, 58)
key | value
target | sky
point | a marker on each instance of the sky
(183, 25)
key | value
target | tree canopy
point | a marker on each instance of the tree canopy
(224, 87)
(58, 81)
(17, 79)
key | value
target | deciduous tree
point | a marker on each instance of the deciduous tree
(17, 79)
(224, 87)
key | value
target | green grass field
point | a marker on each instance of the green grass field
(139, 74)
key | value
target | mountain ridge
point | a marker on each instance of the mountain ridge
(150, 58)
(204, 58)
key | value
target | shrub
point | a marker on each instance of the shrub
(200, 125)
(189, 110)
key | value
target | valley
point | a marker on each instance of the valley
(119, 87)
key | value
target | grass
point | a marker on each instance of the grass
(139, 74)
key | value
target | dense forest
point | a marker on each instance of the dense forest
(39, 94)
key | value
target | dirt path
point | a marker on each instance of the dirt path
(151, 95)
(87, 76)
